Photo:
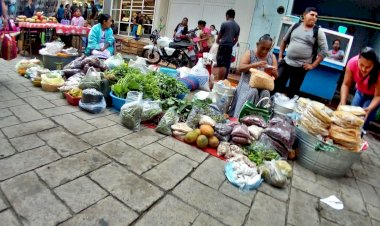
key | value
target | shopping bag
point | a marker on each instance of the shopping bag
(139, 30)
(251, 109)
(8, 47)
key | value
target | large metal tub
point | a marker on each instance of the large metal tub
(329, 164)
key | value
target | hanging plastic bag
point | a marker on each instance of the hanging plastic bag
(169, 119)
(202, 74)
(131, 112)
(272, 174)
(114, 61)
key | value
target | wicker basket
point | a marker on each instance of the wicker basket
(37, 83)
(261, 80)
(50, 88)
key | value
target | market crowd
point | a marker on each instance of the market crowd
(306, 47)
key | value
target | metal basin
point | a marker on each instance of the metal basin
(329, 164)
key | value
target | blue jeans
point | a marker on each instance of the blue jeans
(364, 101)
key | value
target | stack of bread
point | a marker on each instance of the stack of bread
(345, 129)
(316, 117)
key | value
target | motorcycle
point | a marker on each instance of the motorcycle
(180, 54)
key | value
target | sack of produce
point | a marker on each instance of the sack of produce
(355, 110)
(150, 110)
(201, 73)
(206, 120)
(94, 108)
(130, 112)
(223, 128)
(91, 96)
(261, 80)
(285, 168)
(347, 119)
(273, 144)
(282, 130)
(240, 131)
(169, 119)
(255, 131)
(114, 61)
(254, 120)
(272, 174)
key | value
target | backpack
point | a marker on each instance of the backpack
(315, 36)
(8, 47)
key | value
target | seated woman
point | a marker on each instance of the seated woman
(258, 59)
(336, 53)
(100, 39)
(364, 70)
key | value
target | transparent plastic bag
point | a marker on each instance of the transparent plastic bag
(272, 174)
(150, 109)
(274, 144)
(131, 111)
(114, 61)
(242, 176)
(257, 120)
(32, 72)
(223, 129)
(284, 101)
(285, 168)
(94, 108)
(170, 118)
(139, 63)
(52, 78)
(282, 129)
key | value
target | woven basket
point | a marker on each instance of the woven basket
(50, 88)
(261, 80)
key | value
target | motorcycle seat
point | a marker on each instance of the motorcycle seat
(180, 45)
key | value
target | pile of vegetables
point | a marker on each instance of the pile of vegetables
(258, 153)
(154, 85)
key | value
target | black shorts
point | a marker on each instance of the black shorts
(223, 58)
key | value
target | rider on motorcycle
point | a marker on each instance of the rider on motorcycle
(181, 30)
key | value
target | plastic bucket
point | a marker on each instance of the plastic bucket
(330, 164)
(117, 102)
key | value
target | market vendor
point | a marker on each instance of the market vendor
(101, 40)
(364, 70)
(259, 59)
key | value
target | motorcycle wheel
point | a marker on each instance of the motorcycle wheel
(152, 56)
(185, 61)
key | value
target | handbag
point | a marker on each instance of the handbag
(139, 30)
(8, 47)
(261, 80)
(251, 109)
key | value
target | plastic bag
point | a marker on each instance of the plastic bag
(169, 119)
(223, 148)
(272, 174)
(70, 72)
(240, 131)
(52, 48)
(91, 80)
(94, 108)
(183, 72)
(150, 109)
(75, 64)
(284, 101)
(206, 120)
(240, 140)
(254, 120)
(130, 115)
(220, 137)
(282, 130)
(139, 63)
(242, 176)
(223, 129)
(274, 144)
(255, 131)
(52, 78)
(284, 168)
(32, 72)
(347, 119)
(202, 74)
(114, 61)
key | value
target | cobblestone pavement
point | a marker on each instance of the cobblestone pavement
(62, 166)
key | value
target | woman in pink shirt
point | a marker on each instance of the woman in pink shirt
(364, 70)
(204, 36)
(77, 20)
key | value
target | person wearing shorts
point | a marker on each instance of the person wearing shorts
(228, 36)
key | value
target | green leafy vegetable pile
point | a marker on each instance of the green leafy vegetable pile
(258, 153)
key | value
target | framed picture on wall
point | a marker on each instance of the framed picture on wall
(339, 47)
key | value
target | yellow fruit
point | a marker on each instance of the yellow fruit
(191, 137)
(202, 141)
(198, 131)
(207, 130)
(213, 142)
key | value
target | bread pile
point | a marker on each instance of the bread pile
(345, 129)
(315, 117)
(261, 80)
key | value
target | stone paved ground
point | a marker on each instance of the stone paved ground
(62, 166)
